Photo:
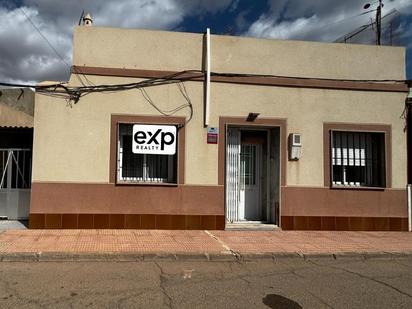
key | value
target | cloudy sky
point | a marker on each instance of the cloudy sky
(25, 56)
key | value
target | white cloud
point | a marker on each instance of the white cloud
(26, 56)
(316, 20)
(133, 14)
(266, 27)
(23, 53)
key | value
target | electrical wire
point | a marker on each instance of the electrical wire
(78, 74)
(41, 34)
(310, 78)
(168, 113)
(52, 47)
(326, 26)
(185, 94)
(73, 94)
(163, 112)
(177, 78)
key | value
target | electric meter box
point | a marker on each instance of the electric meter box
(295, 145)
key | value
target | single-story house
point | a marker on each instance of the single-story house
(214, 132)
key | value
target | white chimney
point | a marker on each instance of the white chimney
(87, 20)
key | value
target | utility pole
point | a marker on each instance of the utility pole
(378, 19)
(378, 23)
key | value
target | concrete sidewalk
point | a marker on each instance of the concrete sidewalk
(40, 245)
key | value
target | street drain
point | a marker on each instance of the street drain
(279, 302)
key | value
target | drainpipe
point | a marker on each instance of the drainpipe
(409, 208)
(207, 95)
(409, 154)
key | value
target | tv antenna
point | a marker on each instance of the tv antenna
(81, 18)
(378, 18)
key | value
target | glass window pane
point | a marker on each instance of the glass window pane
(248, 164)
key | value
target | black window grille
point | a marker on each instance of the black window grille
(358, 159)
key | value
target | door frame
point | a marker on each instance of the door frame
(259, 123)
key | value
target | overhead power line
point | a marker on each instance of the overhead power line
(44, 37)
(73, 93)
(346, 19)
(186, 75)
(177, 77)
(52, 47)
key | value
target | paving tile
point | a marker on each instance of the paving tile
(176, 241)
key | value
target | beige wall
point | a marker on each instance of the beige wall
(306, 110)
(71, 144)
(162, 50)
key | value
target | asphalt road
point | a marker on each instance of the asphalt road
(285, 283)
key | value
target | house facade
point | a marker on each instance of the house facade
(299, 135)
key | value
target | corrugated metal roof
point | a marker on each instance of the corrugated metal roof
(16, 127)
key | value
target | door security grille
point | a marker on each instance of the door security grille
(232, 174)
(15, 168)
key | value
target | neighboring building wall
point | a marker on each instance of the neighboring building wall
(16, 108)
(71, 168)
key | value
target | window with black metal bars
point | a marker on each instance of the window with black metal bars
(142, 168)
(358, 159)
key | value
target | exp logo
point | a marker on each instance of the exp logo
(154, 139)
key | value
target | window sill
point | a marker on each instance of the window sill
(146, 184)
(343, 187)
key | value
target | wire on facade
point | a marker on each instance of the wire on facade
(83, 90)
(183, 90)
(311, 78)
(168, 113)
(73, 94)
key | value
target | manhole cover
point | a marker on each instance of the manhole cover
(280, 302)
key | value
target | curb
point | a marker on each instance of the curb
(191, 257)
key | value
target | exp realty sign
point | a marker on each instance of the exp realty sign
(154, 139)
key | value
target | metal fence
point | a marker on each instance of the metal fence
(15, 168)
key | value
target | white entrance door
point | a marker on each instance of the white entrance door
(243, 176)
(250, 206)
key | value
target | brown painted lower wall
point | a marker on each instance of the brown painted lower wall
(306, 208)
(68, 205)
(84, 198)
(327, 202)
(344, 223)
(128, 221)
(104, 206)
